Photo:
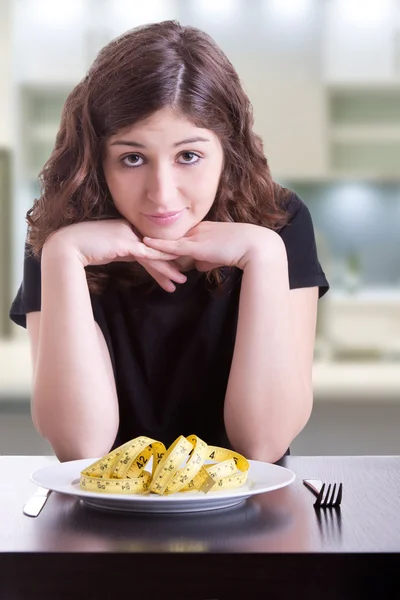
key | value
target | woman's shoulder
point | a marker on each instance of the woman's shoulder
(293, 205)
(298, 235)
(298, 217)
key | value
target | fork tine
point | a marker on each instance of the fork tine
(329, 501)
(339, 496)
(330, 498)
(325, 500)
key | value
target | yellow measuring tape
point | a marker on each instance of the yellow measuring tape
(181, 468)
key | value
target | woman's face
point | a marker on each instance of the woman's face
(163, 174)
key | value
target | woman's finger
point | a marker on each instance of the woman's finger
(161, 279)
(144, 251)
(167, 269)
(163, 272)
(178, 247)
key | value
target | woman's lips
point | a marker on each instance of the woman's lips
(165, 218)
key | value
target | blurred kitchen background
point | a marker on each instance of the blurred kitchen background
(324, 80)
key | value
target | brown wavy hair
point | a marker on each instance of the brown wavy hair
(143, 71)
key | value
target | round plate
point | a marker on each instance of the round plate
(64, 478)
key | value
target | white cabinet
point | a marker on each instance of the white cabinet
(363, 132)
(40, 115)
(49, 43)
(363, 324)
(277, 55)
(361, 41)
(361, 71)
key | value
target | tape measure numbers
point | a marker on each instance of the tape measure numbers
(181, 468)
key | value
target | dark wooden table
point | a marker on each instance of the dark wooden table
(275, 542)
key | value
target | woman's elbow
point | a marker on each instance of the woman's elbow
(79, 452)
(268, 453)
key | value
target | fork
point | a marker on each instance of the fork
(324, 500)
(329, 499)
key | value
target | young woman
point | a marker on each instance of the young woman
(170, 285)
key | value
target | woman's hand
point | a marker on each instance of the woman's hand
(214, 245)
(113, 240)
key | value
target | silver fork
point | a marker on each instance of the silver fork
(328, 499)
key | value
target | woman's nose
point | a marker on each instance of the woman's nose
(161, 187)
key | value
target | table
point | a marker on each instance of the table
(275, 540)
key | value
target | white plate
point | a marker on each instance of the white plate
(64, 478)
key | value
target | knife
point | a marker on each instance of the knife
(35, 504)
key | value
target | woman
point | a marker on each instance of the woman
(157, 179)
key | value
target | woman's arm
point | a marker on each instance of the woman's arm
(74, 399)
(269, 395)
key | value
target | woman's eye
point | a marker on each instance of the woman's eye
(190, 158)
(132, 160)
(135, 160)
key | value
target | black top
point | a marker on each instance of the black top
(171, 353)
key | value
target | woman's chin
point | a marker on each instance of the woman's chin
(165, 232)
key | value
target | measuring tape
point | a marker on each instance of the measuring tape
(181, 468)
